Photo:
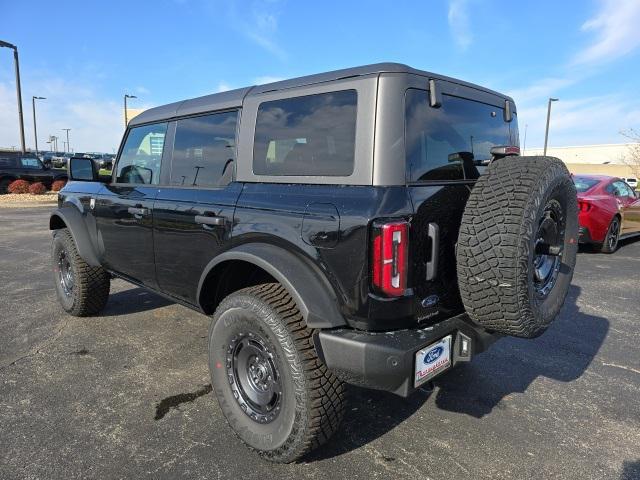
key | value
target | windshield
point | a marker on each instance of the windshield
(583, 184)
(450, 142)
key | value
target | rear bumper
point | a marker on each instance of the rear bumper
(386, 360)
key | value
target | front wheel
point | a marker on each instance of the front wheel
(274, 391)
(82, 290)
(610, 243)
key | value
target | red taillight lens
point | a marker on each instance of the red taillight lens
(584, 206)
(389, 257)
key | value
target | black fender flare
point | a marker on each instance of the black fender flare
(71, 218)
(312, 293)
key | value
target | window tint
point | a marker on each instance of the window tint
(583, 184)
(204, 150)
(141, 155)
(450, 142)
(310, 135)
(32, 163)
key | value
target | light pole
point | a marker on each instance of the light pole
(524, 145)
(126, 120)
(18, 91)
(546, 132)
(35, 129)
(68, 146)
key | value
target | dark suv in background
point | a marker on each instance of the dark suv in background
(371, 225)
(19, 166)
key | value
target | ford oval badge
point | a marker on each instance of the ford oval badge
(430, 301)
(433, 355)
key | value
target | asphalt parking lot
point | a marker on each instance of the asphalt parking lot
(127, 394)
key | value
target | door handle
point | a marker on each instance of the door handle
(138, 211)
(433, 233)
(210, 220)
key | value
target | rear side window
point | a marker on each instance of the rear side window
(204, 150)
(583, 184)
(141, 155)
(451, 142)
(310, 135)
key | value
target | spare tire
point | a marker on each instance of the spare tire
(517, 245)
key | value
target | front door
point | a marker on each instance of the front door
(124, 208)
(193, 215)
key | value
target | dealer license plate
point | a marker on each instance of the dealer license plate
(432, 360)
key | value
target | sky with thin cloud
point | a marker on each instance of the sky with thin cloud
(84, 56)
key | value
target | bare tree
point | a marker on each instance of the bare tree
(632, 159)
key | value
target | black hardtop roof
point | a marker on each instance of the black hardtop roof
(234, 98)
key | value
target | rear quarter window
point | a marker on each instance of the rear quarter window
(313, 135)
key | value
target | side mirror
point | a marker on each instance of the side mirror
(82, 170)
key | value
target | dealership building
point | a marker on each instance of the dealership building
(607, 159)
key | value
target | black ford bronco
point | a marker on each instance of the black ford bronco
(373, 226)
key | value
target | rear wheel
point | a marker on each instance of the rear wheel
(517, 245)
(274, 391)
(82, 290)
(610, 243)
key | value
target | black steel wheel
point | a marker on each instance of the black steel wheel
(276, 394)
(548, 248)
(254, 377)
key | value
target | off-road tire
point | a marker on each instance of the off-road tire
(497, 243)
(91, 284)
(610, 245)
(312, 401)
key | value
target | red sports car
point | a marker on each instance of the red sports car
(609, 210)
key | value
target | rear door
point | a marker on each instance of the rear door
(193, 214)
(446, 150)
(124, 208)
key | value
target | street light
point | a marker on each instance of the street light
(546, 133)
(18, 91)
(68, 146)
(126, 120)
(35, 129)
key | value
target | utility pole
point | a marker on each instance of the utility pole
(126, 120)
(546, 132)
(68, 145)
(35, 129)
(18, 90)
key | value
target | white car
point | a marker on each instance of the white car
(632, 182)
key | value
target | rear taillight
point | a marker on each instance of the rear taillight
(584, 206)
(389, 252)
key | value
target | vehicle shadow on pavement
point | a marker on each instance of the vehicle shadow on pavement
(590, 249)
(630, 470)
(369, 415)
(563, 353)
(133, 300)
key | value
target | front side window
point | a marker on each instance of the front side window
(450, 142)
(204, 150)
(310, 135)
(141, 155)
(31, 163)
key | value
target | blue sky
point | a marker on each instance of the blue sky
(83, 56)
